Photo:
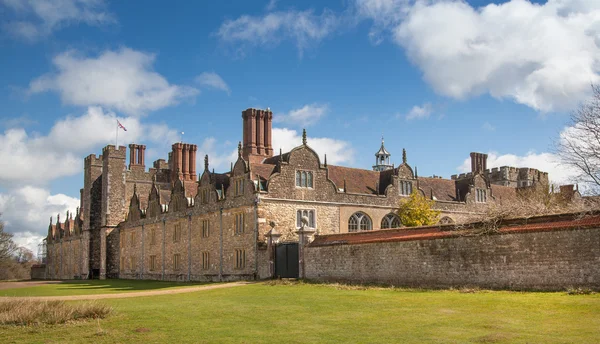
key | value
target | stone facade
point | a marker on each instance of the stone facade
(167, 223)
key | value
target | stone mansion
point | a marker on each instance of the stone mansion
(171, 222)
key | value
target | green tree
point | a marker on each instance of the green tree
(417, 211)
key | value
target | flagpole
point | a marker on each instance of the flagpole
(117, 136)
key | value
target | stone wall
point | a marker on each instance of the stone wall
(38, 271)
(219, 243)
(64, 259)
(549, 260)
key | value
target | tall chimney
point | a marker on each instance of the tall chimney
(267, 143)
(257, 135)
(192, 169)
(249, 120)
(260, 132)
(141, 155)
(478, 162)
(185, 164)
(132, 155)
(176, 167)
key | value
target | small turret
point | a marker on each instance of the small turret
(382, 159)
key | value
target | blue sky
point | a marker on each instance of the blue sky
(439, 78)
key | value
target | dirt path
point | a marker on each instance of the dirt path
(127, 295)
(25, 284)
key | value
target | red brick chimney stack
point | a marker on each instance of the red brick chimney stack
(267, 143)
(142, 155)
(176, 168)
(257, 134)
(183, 159)
(136, 155)
(185, 164)
(192, 169)
(132, 155)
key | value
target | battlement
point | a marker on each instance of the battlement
(110, 151)
(161, 164)
(92, 160)
(509, 175)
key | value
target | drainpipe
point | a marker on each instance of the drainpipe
(163, 248)
(80, 255)
(142, 255)
(256, 201)
(61, 259)
(189, 247)
(221, 244)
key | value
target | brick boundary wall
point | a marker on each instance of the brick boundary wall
(547, 256)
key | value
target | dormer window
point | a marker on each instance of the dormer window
(405, 187)
(481, 196)
(304, 179)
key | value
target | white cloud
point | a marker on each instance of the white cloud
(271, 5)
(384, 13)
(338, 151)
(545, 162)
(122, 80)
(213, 80)
(220, 156)
(26, 212)
(543, 56)
(36, 159)
(303, 27)
(38, 18)
(420, 112)
(305, 116)
(488, 126)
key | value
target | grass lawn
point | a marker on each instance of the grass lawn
(305, 313)
(86, 287)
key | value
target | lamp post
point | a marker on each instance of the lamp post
(273, 239)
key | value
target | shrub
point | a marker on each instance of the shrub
(579, 291)
(33, 312)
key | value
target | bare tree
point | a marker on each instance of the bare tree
(7, 245)
(23, 255)
(579, 145)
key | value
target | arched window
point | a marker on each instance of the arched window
(303, 184)
(298, 178)
(309, 180)
(391, 221)
(359, 222)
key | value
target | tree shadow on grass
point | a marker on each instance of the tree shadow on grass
(122, 285)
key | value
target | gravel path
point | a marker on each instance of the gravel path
(127, 295)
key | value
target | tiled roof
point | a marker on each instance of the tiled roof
(275, 158)
(263, 170)
(357, 180)
(443, 189)
(221, 179)
(503, 193)
(538, 224)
